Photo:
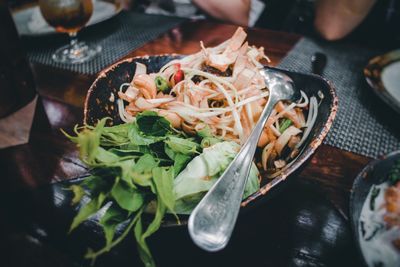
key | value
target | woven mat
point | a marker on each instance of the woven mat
(117, 37)
(363, 124)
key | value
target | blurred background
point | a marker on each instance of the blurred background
(368, 21)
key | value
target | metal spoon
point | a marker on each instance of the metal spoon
(212, 221)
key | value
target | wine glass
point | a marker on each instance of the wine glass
(69, 16)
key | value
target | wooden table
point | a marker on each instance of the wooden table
(327, 177)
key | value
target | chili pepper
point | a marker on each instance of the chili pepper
(161, 84)
(179, 76)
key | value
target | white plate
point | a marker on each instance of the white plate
(374, 173)
(29, 21)
(391, 79)
(383, 75)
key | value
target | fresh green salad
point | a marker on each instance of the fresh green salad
(146, 166)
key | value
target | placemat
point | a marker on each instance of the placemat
(117, 37)
(363, 124)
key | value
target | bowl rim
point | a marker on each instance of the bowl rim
(363, 174)
(304, 155)
(373, 75)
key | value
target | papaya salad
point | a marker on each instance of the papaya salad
(183, 125)
(221, 88)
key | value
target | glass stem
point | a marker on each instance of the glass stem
(73, 40)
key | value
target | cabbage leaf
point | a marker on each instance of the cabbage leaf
(203, 171)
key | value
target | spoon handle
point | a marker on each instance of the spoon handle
(318, 63)
(212, 221)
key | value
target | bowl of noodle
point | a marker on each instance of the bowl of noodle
(219, 88)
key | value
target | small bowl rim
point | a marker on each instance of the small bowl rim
(363, 174)
(373, 75)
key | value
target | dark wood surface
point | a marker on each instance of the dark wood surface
(301, 226)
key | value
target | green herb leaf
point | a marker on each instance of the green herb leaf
(180, 162)
(163, 178)
(394, 174)
(140, 139)
(170, 153)
(284, 125)
(140, 149)
(156, 223)
(105, 158)
(93, 255)
(126, 171)
(142, 171)
(115, 135)
(78, 192)
(127, 152)
(151, 124)
(99, 182)
(143, 249)
(145, 164)
(88, 141)
(128, 198)
(181, 145)
(87, 210)
(113, 216)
